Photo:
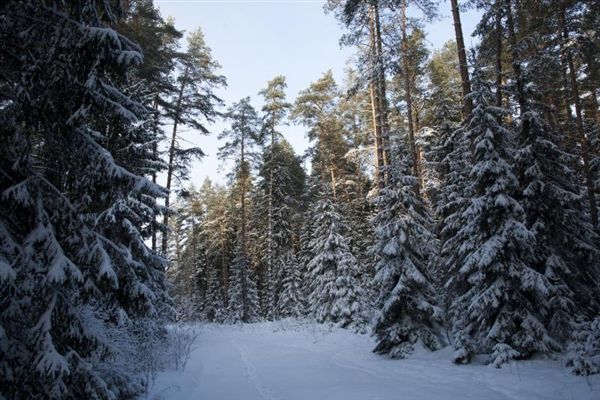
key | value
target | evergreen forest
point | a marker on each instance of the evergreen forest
(448, 198)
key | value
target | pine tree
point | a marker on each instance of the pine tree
(317, 108)
(336, 295)
(499, 303)
(356, 15)
(407, 309)
(194, 105)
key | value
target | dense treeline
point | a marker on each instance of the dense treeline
(450, 199)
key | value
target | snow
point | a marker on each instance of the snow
(289, 360)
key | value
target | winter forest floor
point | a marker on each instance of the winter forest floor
(288, 360)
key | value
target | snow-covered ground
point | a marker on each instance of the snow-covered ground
(292, 361)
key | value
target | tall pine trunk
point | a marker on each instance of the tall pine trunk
(408, 100)
(155, 154)
(243, 218)
(383, 105)
(517, 70)
(516, 64)
(375, 92)
(498, 58)
(270, 271)
(224, 266)
(462, 59)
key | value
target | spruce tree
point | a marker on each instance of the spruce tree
(275, 110)
(291, 300)
(80, 288)
(278, 202)
(154, 79)
(498, 304)
(565, 244)
(242, 138)
(336, 295)
(242, 293)
(218, 238)
(214, 305)
(407, 309)
(187, 270)
(584, 349)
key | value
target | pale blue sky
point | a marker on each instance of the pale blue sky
(255, 40)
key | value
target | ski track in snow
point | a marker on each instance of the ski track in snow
(294, 361)
(250, 372)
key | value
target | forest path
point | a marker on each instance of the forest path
(292, 361)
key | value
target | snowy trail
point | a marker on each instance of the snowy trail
(287, 361)
(250, 373)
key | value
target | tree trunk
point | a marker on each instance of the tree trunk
(518, 72)
(408, 99)
(593, 101)
(499, 58)
(243, 187)
(383, 104)
(333, 181)
(224, 269)
(374, 89)
(592, 86)
(516, 65)
(270, 217)
(155, 154)
(243, 218)
(462, 59)
(583, 140)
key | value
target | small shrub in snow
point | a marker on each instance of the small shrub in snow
(150, 354)
(502, 354)
(182, 341)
